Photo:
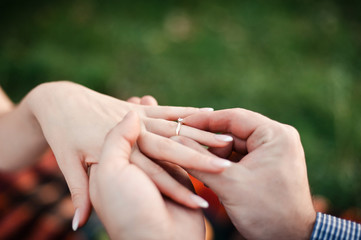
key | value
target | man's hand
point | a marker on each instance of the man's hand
(266, 193)
(127, 201)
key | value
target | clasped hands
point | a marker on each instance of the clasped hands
(265, 191)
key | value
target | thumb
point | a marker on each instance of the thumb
(120, 140)
(117, 146)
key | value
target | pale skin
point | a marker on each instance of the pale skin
(265, 191)
(74, 121)
(5, 103)
(128, 202)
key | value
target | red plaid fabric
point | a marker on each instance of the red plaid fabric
(35, 203)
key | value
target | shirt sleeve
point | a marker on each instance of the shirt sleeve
(330, 227)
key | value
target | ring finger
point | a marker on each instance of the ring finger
(167, 128)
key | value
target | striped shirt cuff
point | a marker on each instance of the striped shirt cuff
(330, 227)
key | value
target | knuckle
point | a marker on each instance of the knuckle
(237, 112)
(275, 128)
(264, 134)
(293, 131)
(269, 130)
(241, 112)
(148, 98)
(289, 132)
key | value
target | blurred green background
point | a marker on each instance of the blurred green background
(297, 62)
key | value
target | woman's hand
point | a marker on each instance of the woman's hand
(75, 121)
(126, 200)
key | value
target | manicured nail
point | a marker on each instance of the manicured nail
(224, 138)
(76, 220)
(199, 201)
(206, 109)
(221, 163)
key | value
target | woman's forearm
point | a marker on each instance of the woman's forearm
(21, 138)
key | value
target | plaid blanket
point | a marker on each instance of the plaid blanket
(35, 203)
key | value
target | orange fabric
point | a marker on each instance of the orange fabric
(216, 209)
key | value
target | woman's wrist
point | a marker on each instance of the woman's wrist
(22, 139)
(33, 127)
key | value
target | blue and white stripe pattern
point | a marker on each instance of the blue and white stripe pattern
(328, 227)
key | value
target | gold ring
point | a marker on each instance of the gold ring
(177, 130)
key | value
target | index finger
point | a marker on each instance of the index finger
(165, 149)
(239, 122)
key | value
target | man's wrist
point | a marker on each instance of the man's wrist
(310, 223)
(330, 227)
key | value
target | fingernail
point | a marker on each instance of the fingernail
(199, 201)
(222, 163)
(224, 138)
(76, 220)
(206, 109)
